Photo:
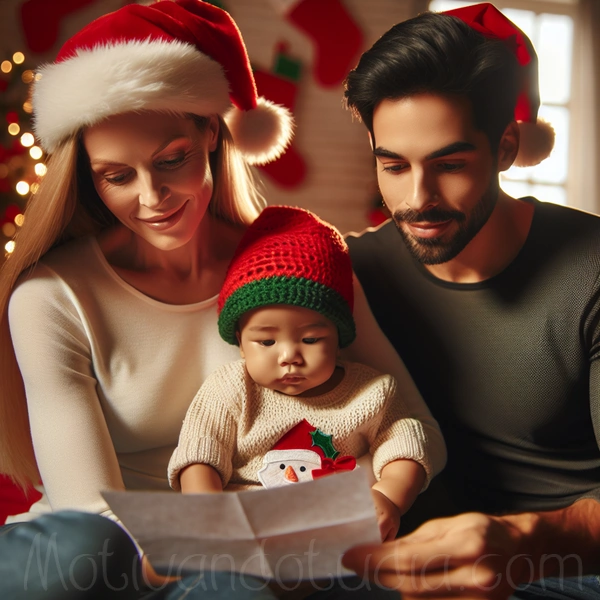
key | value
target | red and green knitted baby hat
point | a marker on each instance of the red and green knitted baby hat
(289, 256)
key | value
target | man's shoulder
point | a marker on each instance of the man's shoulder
(567, 218)
(381, 239)
(380, 231)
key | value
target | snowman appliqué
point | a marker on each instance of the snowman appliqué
(302, 454)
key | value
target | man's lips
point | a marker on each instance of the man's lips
(427, 229)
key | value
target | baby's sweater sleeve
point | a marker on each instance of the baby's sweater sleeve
(396, 435)
(209, 429)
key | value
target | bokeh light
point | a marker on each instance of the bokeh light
(22, 188)
(27, 140)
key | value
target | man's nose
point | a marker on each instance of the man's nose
(423, 193)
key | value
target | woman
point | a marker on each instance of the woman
(109, 298)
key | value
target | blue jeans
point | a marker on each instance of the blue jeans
(72, 556)
(586, 587)
(75, 556)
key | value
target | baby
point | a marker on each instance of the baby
(290, 410)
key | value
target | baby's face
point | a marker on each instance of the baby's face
(288, 348)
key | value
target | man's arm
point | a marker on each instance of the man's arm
(479, 556)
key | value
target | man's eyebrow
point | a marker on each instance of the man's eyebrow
(445, 151)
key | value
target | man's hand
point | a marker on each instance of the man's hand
(469, 556)
(388, 516)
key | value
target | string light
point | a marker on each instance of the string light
(6, 66)
(8, 230)
(18, 58)
(14, 129)
(22, 188)
(34, 187)
(35, 152)
(10, 246)
(27, 76)
(20, 219)
(40, 169)
(27, 140)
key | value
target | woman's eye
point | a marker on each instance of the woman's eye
(266, 342)
(172, 161)
(310, 340)
(117, 178)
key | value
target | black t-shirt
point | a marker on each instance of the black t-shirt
(509, 366)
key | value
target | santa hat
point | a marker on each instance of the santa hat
(289, 256)
(181, 56)
(299, 444)
(309, 444)
(537, 135)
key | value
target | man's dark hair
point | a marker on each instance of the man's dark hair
(438, 54)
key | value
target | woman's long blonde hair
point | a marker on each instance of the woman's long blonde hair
(66, 206)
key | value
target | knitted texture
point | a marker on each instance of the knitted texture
(289, 256)
(233, 423)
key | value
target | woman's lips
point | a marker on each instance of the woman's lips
(160, 223)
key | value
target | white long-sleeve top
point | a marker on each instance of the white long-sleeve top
(109, 374)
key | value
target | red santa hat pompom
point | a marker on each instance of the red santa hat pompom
(537, 135)
(181, 56)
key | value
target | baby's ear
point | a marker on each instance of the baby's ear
(239, 339)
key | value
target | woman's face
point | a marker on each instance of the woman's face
(152, 172)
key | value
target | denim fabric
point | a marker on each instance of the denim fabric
(75, 556)
(570, 588)
(80, 556)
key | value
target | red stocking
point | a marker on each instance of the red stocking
(41, 21)
(289, 170)
(337, 37)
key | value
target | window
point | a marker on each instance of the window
(549, 24)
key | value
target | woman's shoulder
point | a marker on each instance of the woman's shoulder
(78, 255)
(75, 258)
(365, 375)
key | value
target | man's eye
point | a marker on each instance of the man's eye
(450, 167)
(394, 168)
(310, 340)
(266, 342)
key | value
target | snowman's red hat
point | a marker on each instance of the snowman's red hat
(181, 56)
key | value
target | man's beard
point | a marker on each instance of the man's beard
(434, 251)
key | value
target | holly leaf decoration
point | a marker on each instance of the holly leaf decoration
(324, 441)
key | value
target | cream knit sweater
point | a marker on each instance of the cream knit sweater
(233, 422)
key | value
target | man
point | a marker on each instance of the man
(493, 303)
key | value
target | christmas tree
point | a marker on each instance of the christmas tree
(21, 160)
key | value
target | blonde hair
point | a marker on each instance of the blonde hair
(67, 206)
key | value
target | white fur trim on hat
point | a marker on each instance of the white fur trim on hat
(263, 133)
(308, 456)
(124, 77)
(535, 144)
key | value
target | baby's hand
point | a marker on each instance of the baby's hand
(388, 516)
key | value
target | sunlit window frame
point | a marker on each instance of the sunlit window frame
(569, 8)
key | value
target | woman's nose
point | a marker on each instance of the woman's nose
(152, 192)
